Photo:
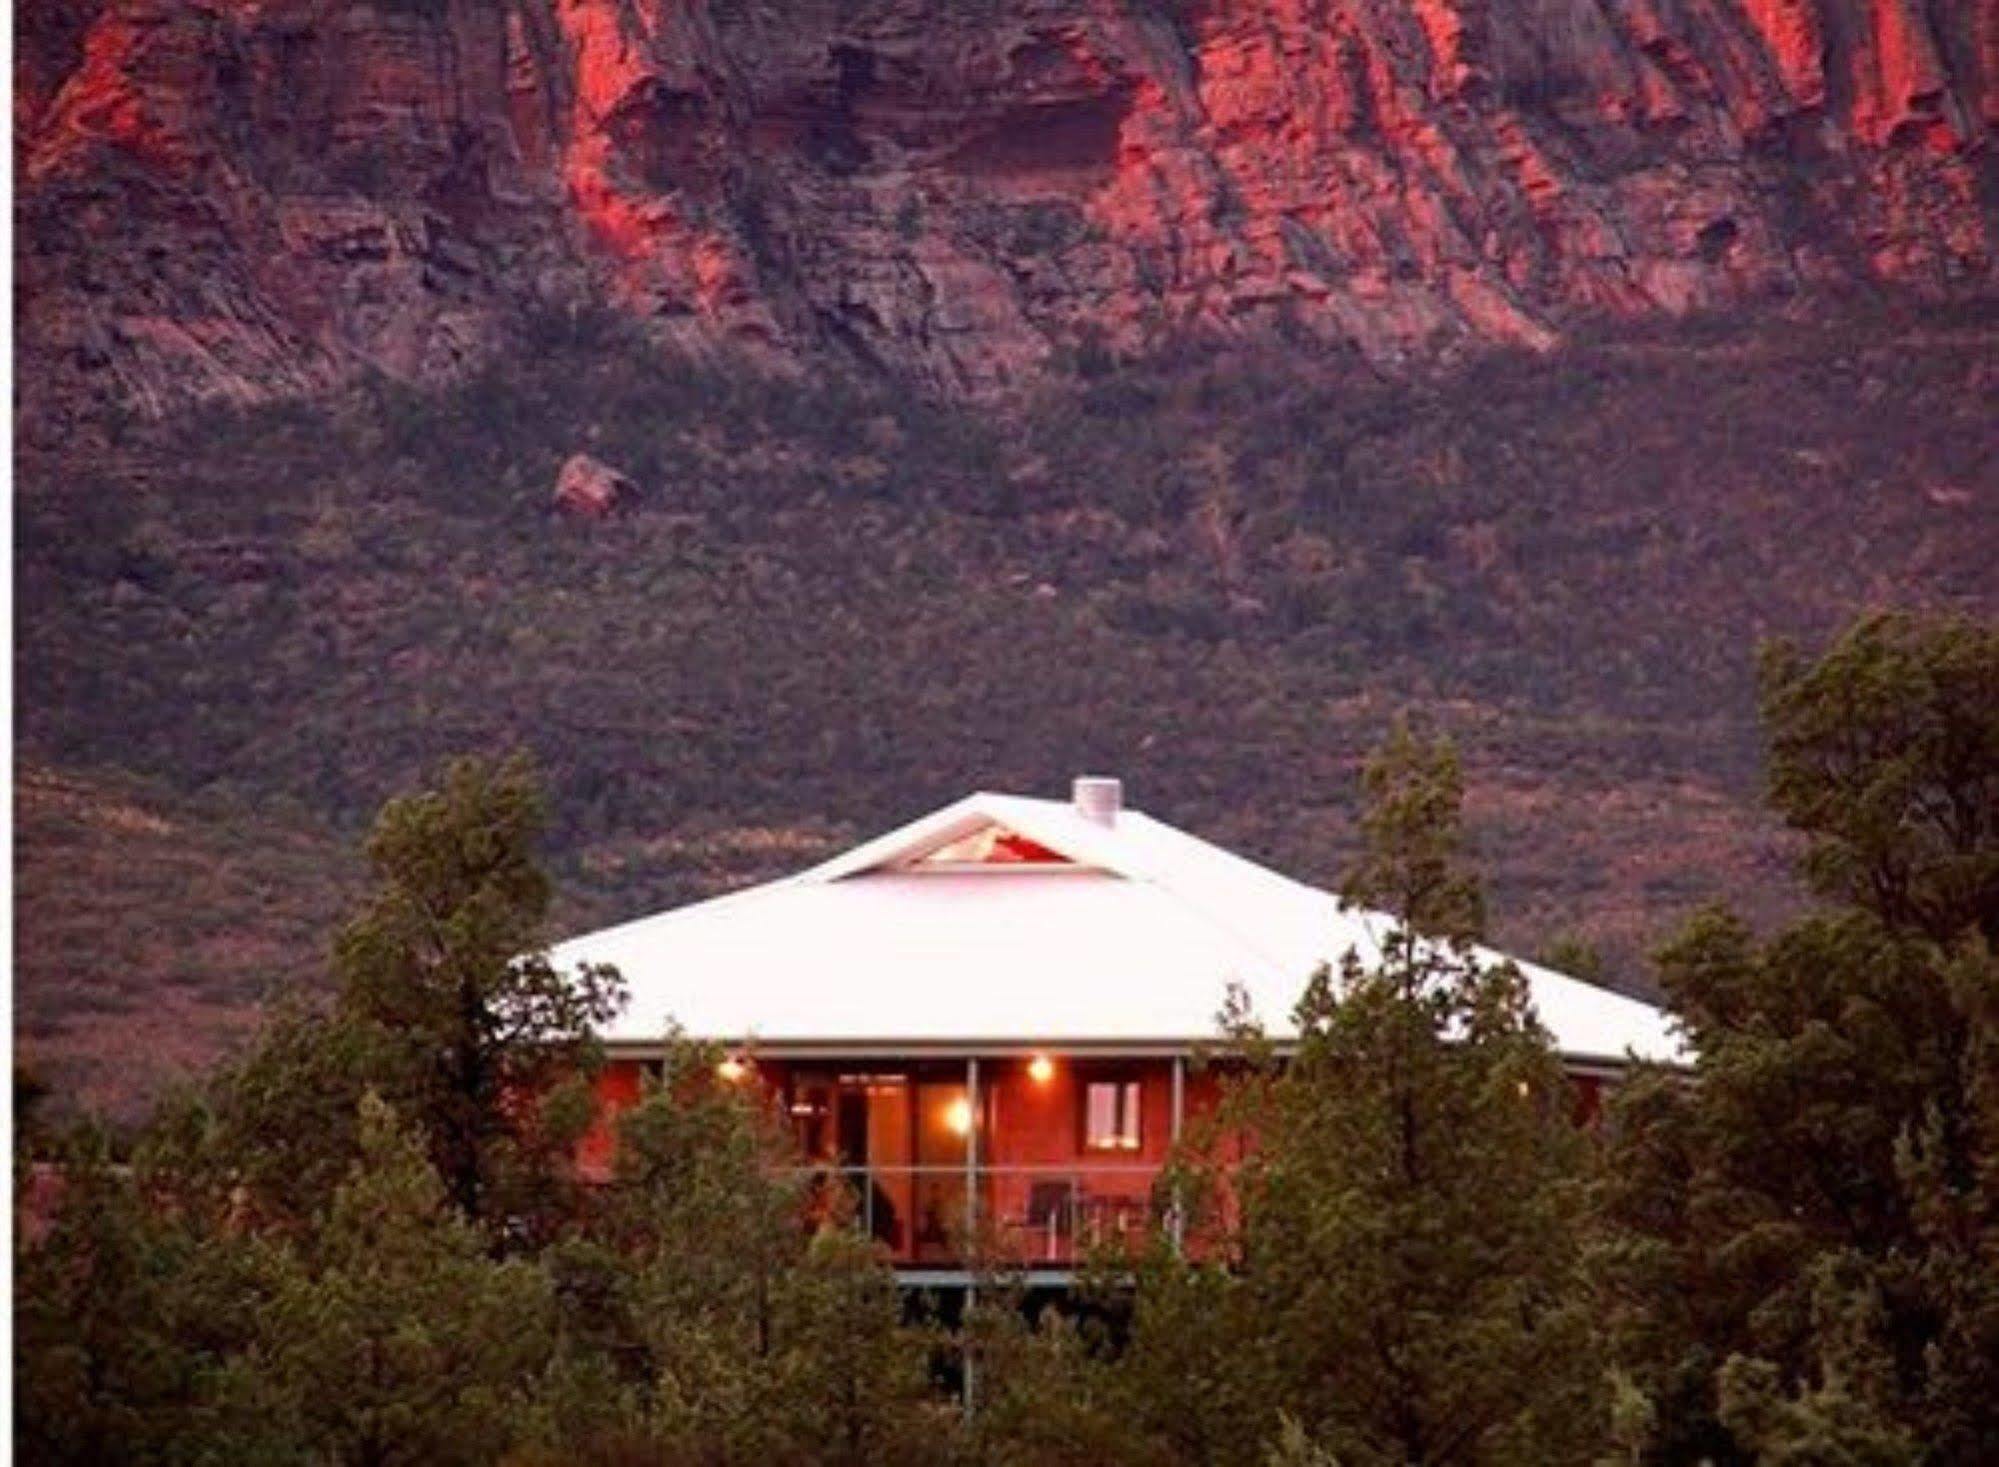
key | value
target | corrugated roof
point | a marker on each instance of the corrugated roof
(1136, 942)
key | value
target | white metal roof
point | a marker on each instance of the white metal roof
(1134, 944)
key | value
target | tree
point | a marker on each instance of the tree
(1884, 752)
(130, 1299)
(1805, 1236)
(391, 1335)
(852, 1381)
(447, 1005)
(729, 1329)
(1844, 1417)
(1413, 850)
(701, 1160)
(281, 1121)
(1401, 1281)
(446, 966)
(1051, 1392)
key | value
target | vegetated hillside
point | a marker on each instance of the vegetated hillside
(148, 924)
(833, 608)
(243, 201)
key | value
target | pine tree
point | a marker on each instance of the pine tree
(1805, 1235)
(392, 1336)
(1050, 1392)
(447, 1005)
(130, 1300)
(1884, 753)
(447, 964)
(1402, 1282)
(281, 1120)
(732, 1331)
(851, 1383)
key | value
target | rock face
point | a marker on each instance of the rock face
(245, 198)
(591, 489)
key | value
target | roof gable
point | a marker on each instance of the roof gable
(1045, 826)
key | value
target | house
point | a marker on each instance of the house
(985, 1018)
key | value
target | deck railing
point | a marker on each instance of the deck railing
(1032, 1216)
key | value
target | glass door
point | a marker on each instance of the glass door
(943, 1132)
(876, 1121)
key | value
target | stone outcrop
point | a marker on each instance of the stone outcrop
(591, 489)
(244, 198)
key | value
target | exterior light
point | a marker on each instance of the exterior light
(958, 1116)
(1041, 1069)
(732, 1069)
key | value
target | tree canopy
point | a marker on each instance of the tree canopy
(1803, 1242)
(1389, 1268)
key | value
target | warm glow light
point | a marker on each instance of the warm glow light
(958, 1116)
(732, 1069)
(1041, 1069)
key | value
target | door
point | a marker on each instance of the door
(943, 1133)
(857, 1125)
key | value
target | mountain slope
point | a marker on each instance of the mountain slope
(833, 607)
(241, 200)
(150, 926)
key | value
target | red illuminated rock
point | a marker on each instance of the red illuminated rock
(243, 198)
(591, 489)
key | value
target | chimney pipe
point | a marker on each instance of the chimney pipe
(1097, 799)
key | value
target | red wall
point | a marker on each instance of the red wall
(617, 1090)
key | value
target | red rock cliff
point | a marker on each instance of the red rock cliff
(240, 198)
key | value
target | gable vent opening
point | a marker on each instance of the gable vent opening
(991, 845)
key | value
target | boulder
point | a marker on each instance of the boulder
(591, 489)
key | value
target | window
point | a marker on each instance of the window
(1110, 1115)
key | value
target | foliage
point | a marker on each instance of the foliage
(1844, 1419)
(391, 1336)
(729, 1329)
(1885, 753)
(1048, 1392)
(281, 1120)
(447, 1005)
(1394, 1275)
(1413, 860)
(123, 1310)
(156, 1323)
(1805, 1236)
(447, 967)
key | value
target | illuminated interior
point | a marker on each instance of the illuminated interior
(1111, 1111)
(958, 1116)
(990, 845)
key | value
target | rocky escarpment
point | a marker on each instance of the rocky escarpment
(242, 198)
